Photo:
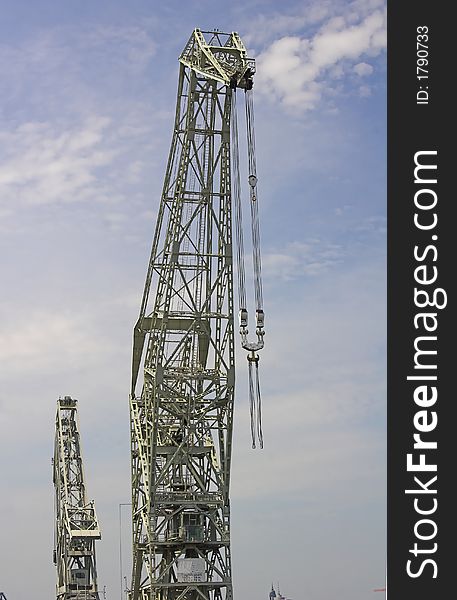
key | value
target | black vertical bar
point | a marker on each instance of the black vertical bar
(421, 128)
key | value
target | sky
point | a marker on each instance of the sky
(87, 97)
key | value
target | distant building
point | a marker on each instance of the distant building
(276, 596)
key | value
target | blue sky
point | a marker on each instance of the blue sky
(86, 112)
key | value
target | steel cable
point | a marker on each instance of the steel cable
(236, 187)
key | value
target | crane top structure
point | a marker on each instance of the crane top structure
(183, 362)
(76, 523)
(218, 56)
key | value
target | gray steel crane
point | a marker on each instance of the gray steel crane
(76, 523)
(181, 406)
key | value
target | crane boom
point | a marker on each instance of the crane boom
(181, 406)
(76, 524)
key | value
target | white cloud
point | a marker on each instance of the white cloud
(45, 340)
(362, 69)
(115, 220)
(131, 44)
(298, 71)
(74, 131)
(45, 164)
(266, 27)
(62, 52)
(300, 259)
(374, 223)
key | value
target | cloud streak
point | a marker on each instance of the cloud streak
(45, 164)
(299, 259)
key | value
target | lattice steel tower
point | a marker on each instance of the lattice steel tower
(76, 524)
(182, 406)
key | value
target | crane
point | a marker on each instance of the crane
(183, 362)
(2, 596)
(76, 523)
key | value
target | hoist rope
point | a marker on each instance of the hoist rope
(255, 403)
(236, 192)
(252, 404)
(255, 229)
(259, 406)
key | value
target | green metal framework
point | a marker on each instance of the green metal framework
(76, 524)
(182, 407)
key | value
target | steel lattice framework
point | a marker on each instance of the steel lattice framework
(182, 407)
(76, 524)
